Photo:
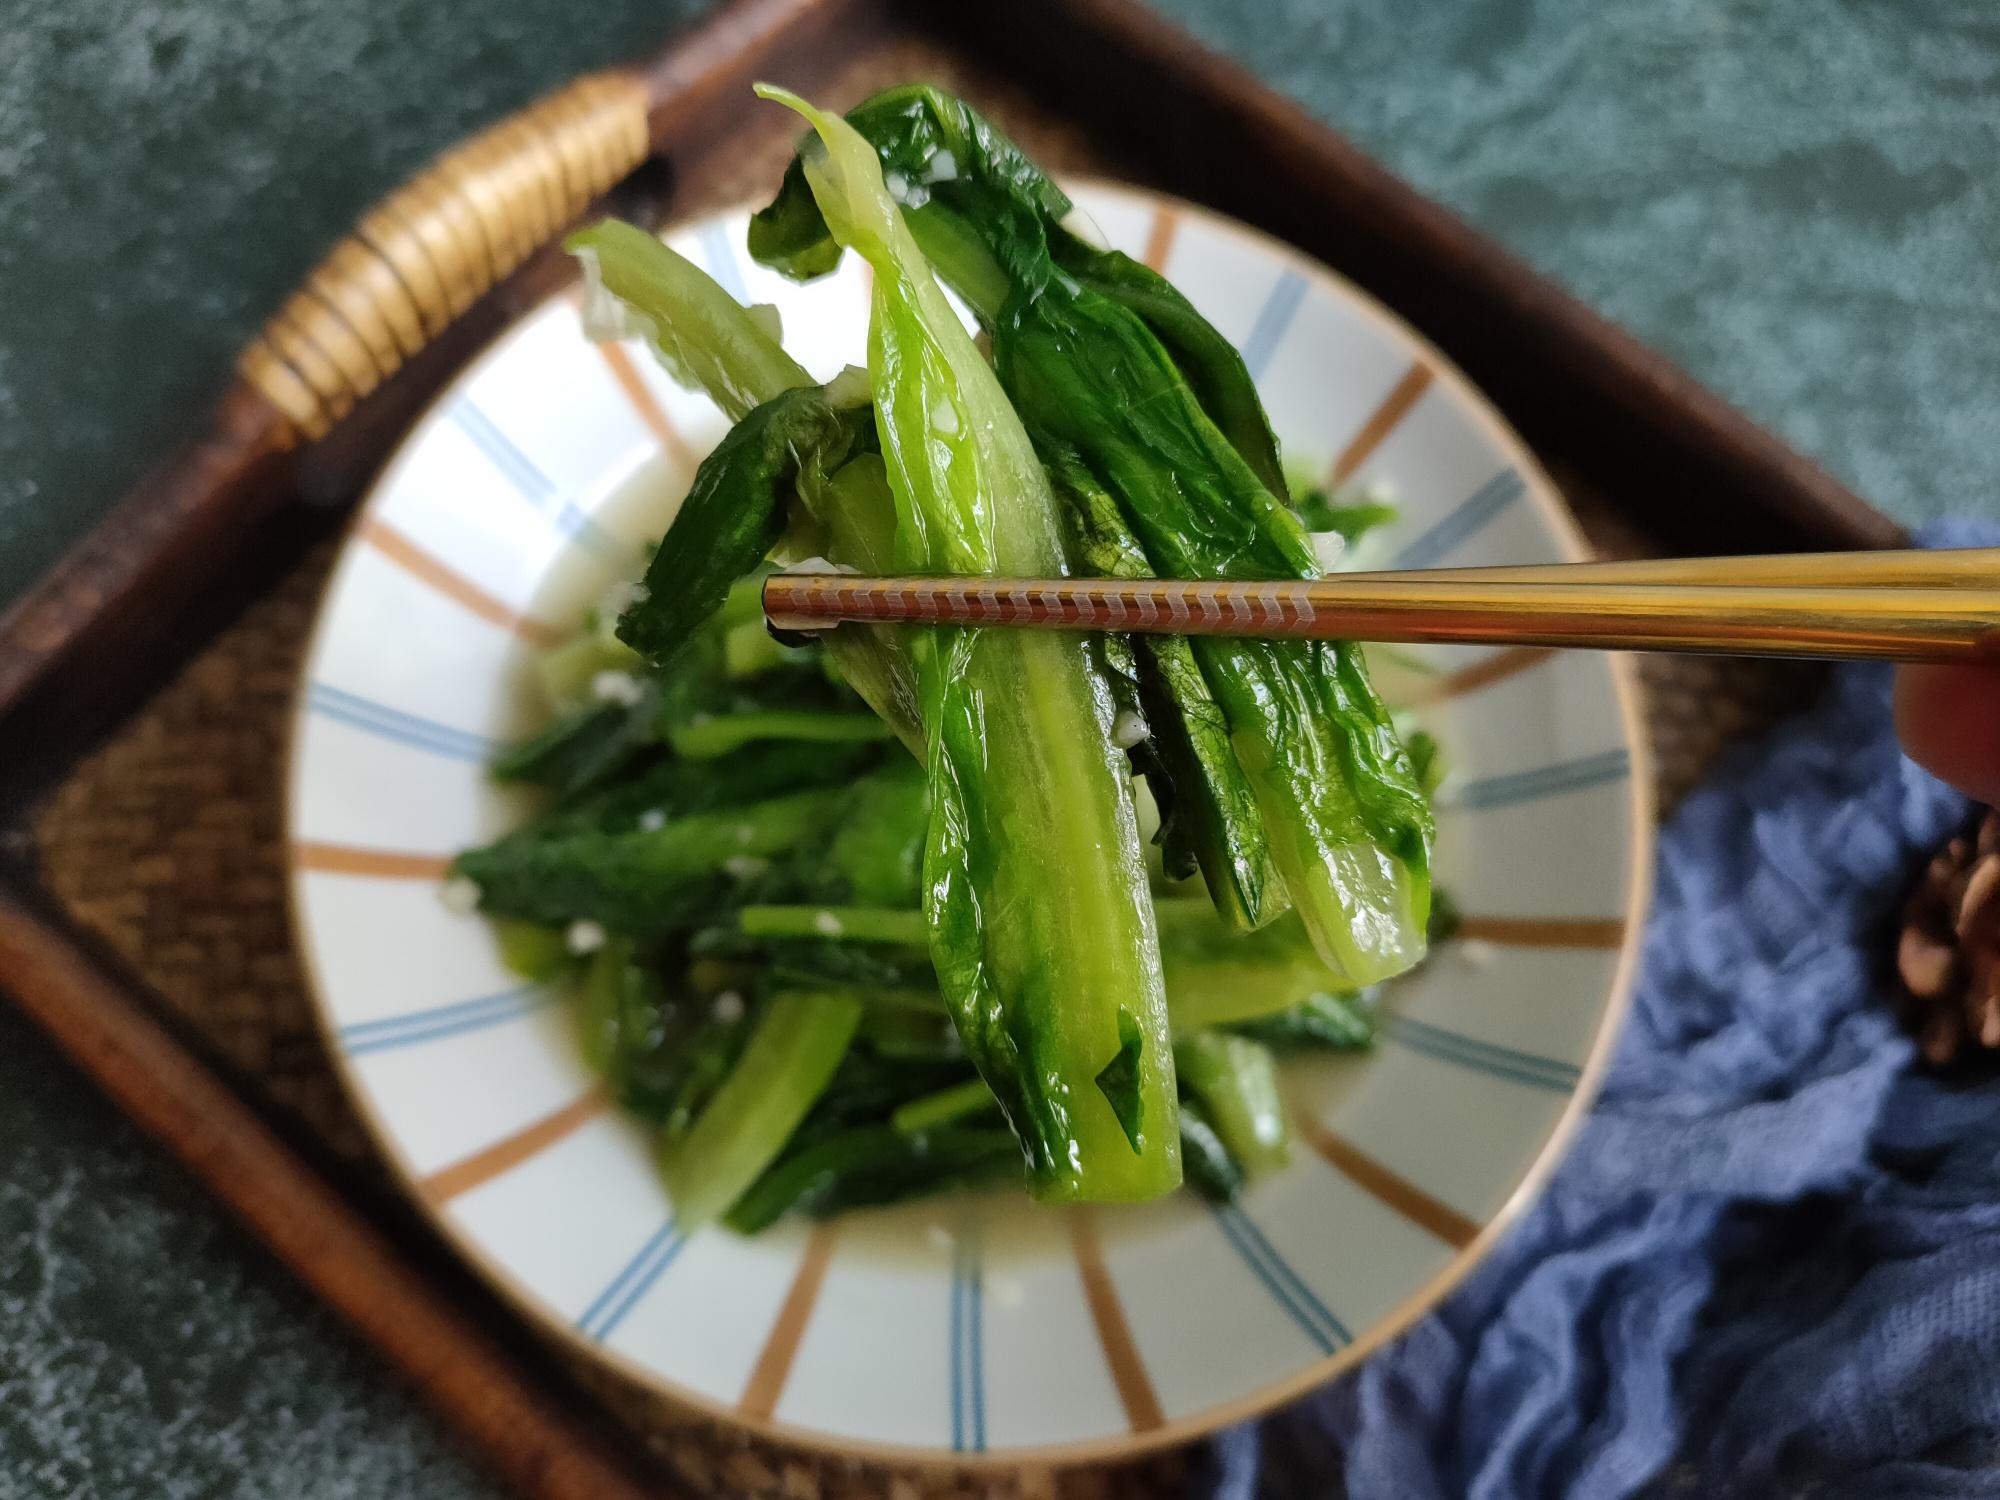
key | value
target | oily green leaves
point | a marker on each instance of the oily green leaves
(928, 140)
(1236, 1080)
(1034, 886)
(1100, 387)
(1211, 365)
(736, 510)
(972, 195)
(647, 882)
(634, 285)
(707, 341)
(1208, 808)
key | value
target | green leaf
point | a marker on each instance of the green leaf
(1212, 366)
(872, 1165)
(1120, 1080)
(1208, 808)
(647, 882)
(707, 341)
(790, 1059)
(1236, 1080)
(1351, 519)
(1322, 1021)
(735, 511)
(536, 953)
(583, 749)
(1034, 880)
(710, 736)
(1211, 1171)
(945, 1107)
(1217, 976)
(633, 284)
(1349, 829)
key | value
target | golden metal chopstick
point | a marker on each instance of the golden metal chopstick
(1906, 606)
(1965, 567)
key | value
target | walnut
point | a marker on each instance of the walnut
(1949, 951)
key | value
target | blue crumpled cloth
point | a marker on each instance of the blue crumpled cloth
(1770, 1264)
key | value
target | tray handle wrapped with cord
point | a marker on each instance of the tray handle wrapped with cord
(427, 252)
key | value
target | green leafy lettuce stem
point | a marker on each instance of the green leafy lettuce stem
(1035, 886)
(643, 881)
(790, 1059)
(709, 342)
(1236, 1080)
(735, 512)
(1349, 827)
(874, 1164)
(958, 175)
(1207, 805)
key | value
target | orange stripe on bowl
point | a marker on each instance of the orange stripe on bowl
(1545, 932)
(781, 1346)
(1498, 666)
(1121, 1354)
(1381, 422)
(1400, 1194)
(345, 859)
(469, 1172)
(618, 360)
(1160, 237)
(446, 580)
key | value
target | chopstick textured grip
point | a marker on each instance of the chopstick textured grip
(428, 251)
(1155, 605)
(1901, 622)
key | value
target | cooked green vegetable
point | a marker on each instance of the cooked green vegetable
(853, 924)
(708, 736)
(1208, 809)
(1035, 889)
(1335, 1022)
(1350, 520)
(570, 672)
(1426, 759)
(790, 1060)
(878, 853)
(826, 975)
(949, 212)
(585, 748)
(906, 1032)
(960, 1101)
(1211, 1171)
(707, 341)
(1348, 825)
(1236, 1081)
(1216, 977)
(536, 953)
(735, 512)
(601, 1017)
(875, 1164)
(645, 882)
(668, 790)
(711, 343)
(662, 1057)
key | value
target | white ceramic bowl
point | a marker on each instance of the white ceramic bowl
(971, 1327)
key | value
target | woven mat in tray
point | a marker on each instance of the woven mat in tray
(167, 843)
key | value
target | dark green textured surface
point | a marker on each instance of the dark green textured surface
(149, 1347)
(1796, 201)
(171, 169)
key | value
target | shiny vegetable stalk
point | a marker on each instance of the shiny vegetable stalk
(1034, 885)
(793, 440)
(1119, 379)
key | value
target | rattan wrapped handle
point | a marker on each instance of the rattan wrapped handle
(425, 253)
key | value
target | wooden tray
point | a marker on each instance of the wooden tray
(145, 686)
